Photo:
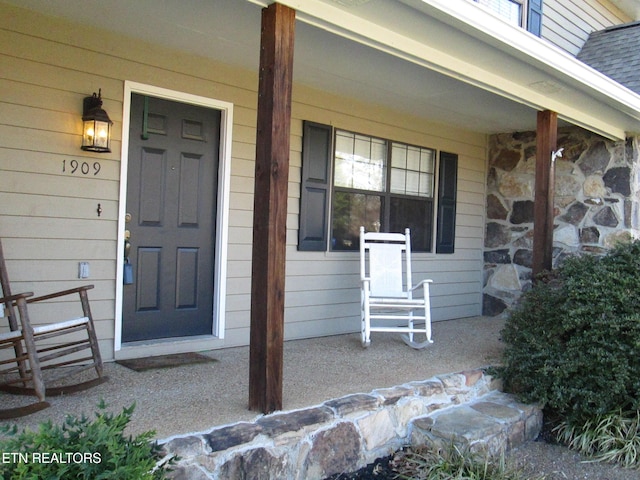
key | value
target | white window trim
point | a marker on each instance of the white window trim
(174, 345)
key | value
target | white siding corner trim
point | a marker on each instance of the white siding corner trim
(222, 213)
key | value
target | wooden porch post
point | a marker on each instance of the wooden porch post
(546, 140)
(270, 208)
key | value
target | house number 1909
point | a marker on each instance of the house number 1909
(75, 167)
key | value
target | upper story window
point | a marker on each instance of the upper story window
(511, 10)
(524, 13)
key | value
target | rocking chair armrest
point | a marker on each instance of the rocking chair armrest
(84, 288)
(13, 298)
(421, 283)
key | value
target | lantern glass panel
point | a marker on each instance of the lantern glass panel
(96, 136)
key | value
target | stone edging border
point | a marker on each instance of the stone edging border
(340, 435)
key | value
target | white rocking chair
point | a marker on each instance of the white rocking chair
(386, 295)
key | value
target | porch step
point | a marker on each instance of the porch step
(344, 434)
(491, 424)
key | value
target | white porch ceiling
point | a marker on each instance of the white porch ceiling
(410, 55)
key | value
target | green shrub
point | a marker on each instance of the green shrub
(80, 449)
(573, 342)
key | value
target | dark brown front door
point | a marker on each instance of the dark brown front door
(171, 195)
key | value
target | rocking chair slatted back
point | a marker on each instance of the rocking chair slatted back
(385, 269)
(6, 292)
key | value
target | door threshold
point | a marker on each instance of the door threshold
(167, 346)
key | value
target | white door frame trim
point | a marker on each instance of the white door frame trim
(222, 216)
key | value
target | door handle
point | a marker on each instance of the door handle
(127, 277)
(127, 244)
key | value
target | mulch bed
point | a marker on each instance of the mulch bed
(381, 469)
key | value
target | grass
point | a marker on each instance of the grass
(421, 463)
(612, 437)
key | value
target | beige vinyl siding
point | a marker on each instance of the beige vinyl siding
(335, 275)
(568, 23)
(48, 218)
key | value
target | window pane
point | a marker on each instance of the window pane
(362, 147)
(399, 156)
(427, 160)
(344, 142)
(360, 162)
(413, 183)
(511, 10)
(378, 150)
(413, 158)
(398, 180)
(417, 215)
(343, 173)
(417, 176)
(350, 211)
(369, 175)
(426, 185)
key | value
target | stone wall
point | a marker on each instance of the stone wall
(596, 205)
(345, 434)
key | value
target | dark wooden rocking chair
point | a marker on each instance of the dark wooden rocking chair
(74, 348)
(21, 365)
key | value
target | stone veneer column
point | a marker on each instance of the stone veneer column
(597, 203)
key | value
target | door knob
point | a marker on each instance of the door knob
(127, 244)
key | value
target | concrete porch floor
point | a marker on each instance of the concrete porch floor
(195, 398)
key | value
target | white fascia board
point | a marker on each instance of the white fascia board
(468, 17)
(540, 53)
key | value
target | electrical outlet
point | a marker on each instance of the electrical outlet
(83, 270)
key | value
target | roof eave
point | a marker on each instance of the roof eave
(596, 103)
(546, 56)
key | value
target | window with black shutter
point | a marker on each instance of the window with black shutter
(350, 179)
(315, 186)
(447, 191)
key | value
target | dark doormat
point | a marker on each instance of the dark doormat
(165, 361)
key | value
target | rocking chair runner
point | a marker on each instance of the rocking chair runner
(387, 294)
(73, 346)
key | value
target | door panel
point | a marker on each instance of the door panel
(148, 279)
(187, 278)
(171, 194)
(151, 187)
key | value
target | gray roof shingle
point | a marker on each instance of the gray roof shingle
(615, 51)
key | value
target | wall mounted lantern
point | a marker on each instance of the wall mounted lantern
(96, 129)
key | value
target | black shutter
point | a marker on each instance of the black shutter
(447, 189)
(314, 187)
(534, 17)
